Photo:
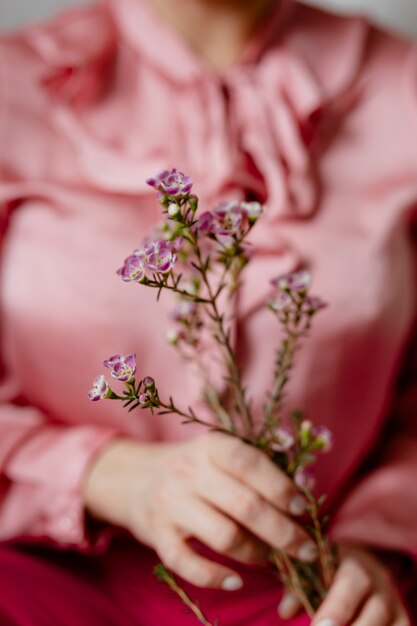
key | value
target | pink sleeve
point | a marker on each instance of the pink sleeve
(381, 507)
(42, 467)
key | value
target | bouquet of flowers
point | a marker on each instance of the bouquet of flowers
(201, 258)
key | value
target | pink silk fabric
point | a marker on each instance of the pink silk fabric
(319, 120)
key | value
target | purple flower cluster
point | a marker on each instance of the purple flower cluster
(157, 256)
(121, 367)
(293, 281)
(293, 288)
(229, 221)
(171, 183)
(283, 439)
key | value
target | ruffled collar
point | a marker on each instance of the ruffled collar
(289, 80)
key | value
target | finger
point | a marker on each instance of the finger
(289, 605)
(401, 617)
(377, 611)
(254, 513)
(253, 467)
(350, 588)
(218, 532)
(181, 559)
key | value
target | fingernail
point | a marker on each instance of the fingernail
(326, 622)
(298, 505)
(232, 583)
(287, 606)
(308, 552)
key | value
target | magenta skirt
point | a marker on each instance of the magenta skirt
(44, 587)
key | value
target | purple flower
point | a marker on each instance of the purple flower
(176, 244)
(293, 281)
(184, 311)
(283, 439)
(100, 389)
(282, 302)
(144, 399)
(253, 210)
(174, 336)
(314, 303)
(304, 478)
(171, 182)
(227, 242)
(159, 256)
(121, 367)
(133, 269)
(323, 438)
(204, 224)
(229, 219)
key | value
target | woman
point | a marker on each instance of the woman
(311, 113)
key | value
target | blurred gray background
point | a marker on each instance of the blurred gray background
(400, 15)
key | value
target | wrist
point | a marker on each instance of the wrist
(103, 484)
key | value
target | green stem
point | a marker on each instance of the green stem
(284, 564)
(232, 366)
(166, 577)
(285, 362)
(325, 556)
(184, 294)
(189, 417)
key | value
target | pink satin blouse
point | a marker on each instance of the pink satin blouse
(319, 120)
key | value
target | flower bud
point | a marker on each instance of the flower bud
(323, 439)
(174, 210)
(193, 202)
(149, 383)
(172, 336)
(144, 399)
(305, 432)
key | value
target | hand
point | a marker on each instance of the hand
(216, 488)
(362, 594)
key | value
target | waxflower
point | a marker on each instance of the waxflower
(184, 253)
(121, 367)
(314, 303)
(229, 219)
(323, 438)
(253, 210)
(204, 224)
(174, 210)
(100, 390)
(171, 183)
(304, 478)
(282, 302)
(149, 383)
(133, 269)
(174, 336)
(283, 439)
(184, 311)
(159, 256)
(293, 281)
(145, 399)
